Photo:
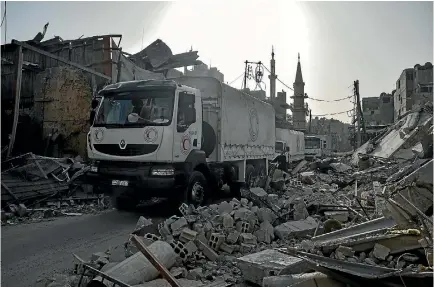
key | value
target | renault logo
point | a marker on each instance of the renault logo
(122, 144)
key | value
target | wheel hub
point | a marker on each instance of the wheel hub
(197, 193)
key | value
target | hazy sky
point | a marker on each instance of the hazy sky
(339, 42)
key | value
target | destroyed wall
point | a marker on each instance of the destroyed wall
(64, 96)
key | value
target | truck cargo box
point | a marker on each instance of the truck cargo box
(239, 125)
(294, 140)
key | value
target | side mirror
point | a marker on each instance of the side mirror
(133, 118)
(287, 148)
(95, 104)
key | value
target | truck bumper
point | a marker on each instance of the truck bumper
(140, 184)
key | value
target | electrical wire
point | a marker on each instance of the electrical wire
(236, 79)
(4, 16)
(332, 114)
(310, 98)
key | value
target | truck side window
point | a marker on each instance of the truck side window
(186, 111)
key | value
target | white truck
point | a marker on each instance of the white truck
(317, 145)
(180, 139)
(290, 143)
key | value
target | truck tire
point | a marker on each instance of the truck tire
(123, 203)
(209, 138)
(196, 189)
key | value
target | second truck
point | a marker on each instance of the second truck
(180, 139)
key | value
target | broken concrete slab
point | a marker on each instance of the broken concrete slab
(299, 228)
(137, 269)
(164, 283)
(256, 266)
(314, 279)
(341, 216)
(381, 252)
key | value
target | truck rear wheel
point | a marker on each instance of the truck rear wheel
(196, 189)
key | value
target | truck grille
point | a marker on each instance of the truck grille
(130, 150)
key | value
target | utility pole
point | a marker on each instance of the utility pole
(358, 112)
(245, 74)
(310, 120)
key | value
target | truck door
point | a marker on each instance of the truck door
(187, 135)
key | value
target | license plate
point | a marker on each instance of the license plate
(120, 182)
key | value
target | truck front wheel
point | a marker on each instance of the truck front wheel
(196, 189)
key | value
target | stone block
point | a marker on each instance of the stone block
(298, 228)
(242, 214)
(266, 214)
(259, 193)
(225, 207)
(164, 230)
(216, 240)
(256, 266)
(227, 248)
(233, 237)
(265, 233)
(206, 250)
(345, 251)
(179, 272)
(300, 211)
(248, 238)
(191, 247)
(187, 235)
(178, 225)
(228, 221)
(341, 216)
(243, 226)
(380, 251)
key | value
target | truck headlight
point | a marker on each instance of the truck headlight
(163, 171)
(94, 168)
(98, 135)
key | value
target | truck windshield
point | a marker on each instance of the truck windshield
(312, 143)
(155, 108)
(279, 146)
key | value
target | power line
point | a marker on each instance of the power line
(310, 98)
(4, 16)
(236, 79)
(332, 114)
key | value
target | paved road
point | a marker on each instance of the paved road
(32, 251)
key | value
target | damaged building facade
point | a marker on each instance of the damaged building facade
(413, 88)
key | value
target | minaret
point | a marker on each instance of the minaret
(272, 76)
(298, 108)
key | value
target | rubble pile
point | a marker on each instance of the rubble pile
(35, 188)
(349, 221)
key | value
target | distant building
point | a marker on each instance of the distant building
(413, 88)
(338, 131)
(204, 71)
(378, 110)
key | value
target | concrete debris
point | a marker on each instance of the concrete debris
(376, 216)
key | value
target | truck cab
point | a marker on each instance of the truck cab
(145, 141)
